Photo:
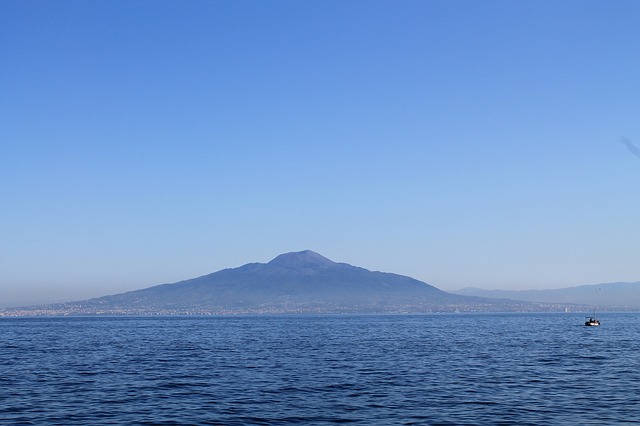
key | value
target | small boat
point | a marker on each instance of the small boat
(591, 322)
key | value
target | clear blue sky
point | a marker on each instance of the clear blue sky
(464, 143)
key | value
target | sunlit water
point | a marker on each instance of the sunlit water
(430, 369)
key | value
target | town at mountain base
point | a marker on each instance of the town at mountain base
(298, 282)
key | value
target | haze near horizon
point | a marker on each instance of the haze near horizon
(464, 144)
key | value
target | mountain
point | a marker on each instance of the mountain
(299, 282)
(620, 295)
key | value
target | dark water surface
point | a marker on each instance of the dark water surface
(428, 369)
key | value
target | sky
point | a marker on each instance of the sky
(489, 144)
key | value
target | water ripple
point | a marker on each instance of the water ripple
(439, 369)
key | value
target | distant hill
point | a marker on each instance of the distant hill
(623, 295)
(300, 282)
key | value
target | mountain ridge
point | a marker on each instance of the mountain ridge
(623, 295)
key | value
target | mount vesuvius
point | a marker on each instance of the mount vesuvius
(299, 282)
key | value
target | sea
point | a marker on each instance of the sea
(435, 369)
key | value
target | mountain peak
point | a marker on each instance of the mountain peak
(305, 258)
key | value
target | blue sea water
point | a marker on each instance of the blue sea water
(390, 369)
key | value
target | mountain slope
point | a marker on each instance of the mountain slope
(293, 280)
